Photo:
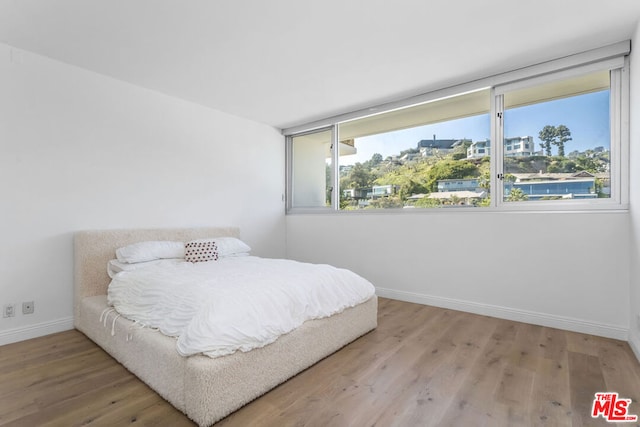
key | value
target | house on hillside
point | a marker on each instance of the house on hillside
(518, 146)
(431, 147)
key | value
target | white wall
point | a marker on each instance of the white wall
(567, 270)
(634, 300)
(83, 151)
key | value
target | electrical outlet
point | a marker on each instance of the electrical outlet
(9, 310)
(28, 307)
(638, 321)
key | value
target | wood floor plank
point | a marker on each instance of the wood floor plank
(349, 377)
(422, 366)
(473, 404)
(160, 413)
(364, 382)
(428, 387)
(586, 379)
(25, 401)
(550, 395)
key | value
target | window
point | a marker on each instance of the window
(562, 139)
(401, 159)
(311, 186)
(569, 118)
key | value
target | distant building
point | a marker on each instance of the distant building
(382, 191)
(519, 146)
(355, 193)
(407, 157)
(374, 192)
(570, 189)
(467, 184)
(429, 147)
(479, 149)
(580, 185)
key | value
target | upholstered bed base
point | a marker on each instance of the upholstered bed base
(205, 389)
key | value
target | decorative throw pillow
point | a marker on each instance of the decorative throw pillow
(201, 251)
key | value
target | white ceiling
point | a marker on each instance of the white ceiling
(286, 62)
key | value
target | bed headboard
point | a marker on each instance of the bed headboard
(94, 248)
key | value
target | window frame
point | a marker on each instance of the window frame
(614, 57)
(290, 170)
(616, 68)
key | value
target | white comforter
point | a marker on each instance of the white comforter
(236, 303)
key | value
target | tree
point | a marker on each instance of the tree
(510, 178)
(409, 179)
(485, 180)
(516, 195)
(552, 135)
(359, 177)
(563, 135)
(548, 136)
(376, 159)
(486, 202)
(587, 164)
(426, 202)
(388, 202)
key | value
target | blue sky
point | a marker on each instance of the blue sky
(586, 116)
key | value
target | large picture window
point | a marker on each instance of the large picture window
(563, 147)
(418, 157)
(561, 139)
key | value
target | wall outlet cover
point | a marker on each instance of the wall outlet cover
(28, 307)
(9, 310)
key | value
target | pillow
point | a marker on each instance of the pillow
(227, 246)
(149, 251)
(224, 247)
(201, 251)
(230, 246)
(114, 266)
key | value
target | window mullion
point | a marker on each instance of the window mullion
(617, 99)
(289, 168)
(335, 168)
(497, 148)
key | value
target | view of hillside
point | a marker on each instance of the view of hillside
(410, 178)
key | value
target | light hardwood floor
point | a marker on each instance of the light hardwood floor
(422, 366)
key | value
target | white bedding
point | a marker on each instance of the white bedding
(236, 303)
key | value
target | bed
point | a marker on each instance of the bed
(205, 389)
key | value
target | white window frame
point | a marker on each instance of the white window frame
(619, 194)
(335, 179)
(614, 57)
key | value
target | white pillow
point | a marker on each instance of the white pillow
(149, 251)
(227, 246)
(114, 266)
(230, 246)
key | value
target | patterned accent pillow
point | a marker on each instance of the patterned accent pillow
(201, 251)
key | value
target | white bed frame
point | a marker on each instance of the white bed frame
(205, 389)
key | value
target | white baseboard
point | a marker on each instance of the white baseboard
(34, 331)
(542, 319)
